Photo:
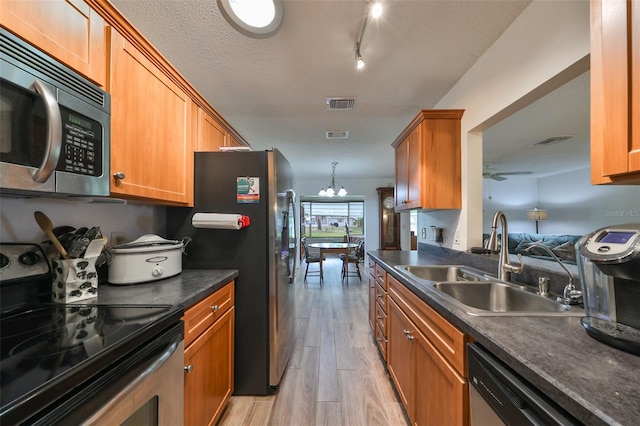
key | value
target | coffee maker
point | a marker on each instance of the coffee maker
(609, 265)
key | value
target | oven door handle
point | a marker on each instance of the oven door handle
(54, 133)
(156, 363)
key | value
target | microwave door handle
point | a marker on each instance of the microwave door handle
(54, 133)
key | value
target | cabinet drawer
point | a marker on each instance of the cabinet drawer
(449, 341)
(381, 340)
(200, 316)
(381, 319)
(381, 276)
(372, 269)
(381, 298)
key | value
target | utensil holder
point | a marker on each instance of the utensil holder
(74, 280)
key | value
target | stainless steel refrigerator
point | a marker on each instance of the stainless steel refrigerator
(258, 184)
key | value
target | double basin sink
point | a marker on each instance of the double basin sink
(480, 294)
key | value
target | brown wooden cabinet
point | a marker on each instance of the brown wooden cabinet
(389, 220)
(208, 357)
(68, 30)
(428, 163)
(401, 359)
(426, 360)
(615, 92)
(372, 296)
(211, 134)
(152, 129)
(378, 306)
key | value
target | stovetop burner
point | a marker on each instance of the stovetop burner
(56, 346)
(49, 350)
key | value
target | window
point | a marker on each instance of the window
(332, 219)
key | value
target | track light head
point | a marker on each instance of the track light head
(359, 61)
(376, 9)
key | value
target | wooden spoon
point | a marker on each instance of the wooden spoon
(45, 224)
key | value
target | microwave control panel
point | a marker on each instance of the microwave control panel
(81, 145)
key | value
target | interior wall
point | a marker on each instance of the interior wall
(547, 39)
(574, 206)
(514, 197)
(365, 188)
(18, 225)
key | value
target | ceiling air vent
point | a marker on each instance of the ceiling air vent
(340, 103)
(337, 134)
(553, 139)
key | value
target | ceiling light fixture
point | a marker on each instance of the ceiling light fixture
(374, 9)
(254, 18)
(330, 191)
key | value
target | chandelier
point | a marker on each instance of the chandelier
(331, 189)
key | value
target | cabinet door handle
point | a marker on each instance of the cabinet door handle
(188, 368)
(380, 296)
(379, 317)
(118, 175)
(408, 334)
(215, 308)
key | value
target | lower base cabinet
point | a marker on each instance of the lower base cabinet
(441, 391)
(208, 357)
(426, 361)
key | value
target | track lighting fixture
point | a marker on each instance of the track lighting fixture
(374, 10)
(359, 61)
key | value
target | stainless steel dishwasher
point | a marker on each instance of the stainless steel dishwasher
(498, 396)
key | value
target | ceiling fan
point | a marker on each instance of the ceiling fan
(491, 173)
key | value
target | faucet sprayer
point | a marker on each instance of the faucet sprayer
(570, 295)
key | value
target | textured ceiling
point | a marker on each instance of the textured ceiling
(273, 91)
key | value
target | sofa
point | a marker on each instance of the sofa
(562, 246)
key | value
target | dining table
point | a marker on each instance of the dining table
(333, 247)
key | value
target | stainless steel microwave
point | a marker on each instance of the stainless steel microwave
(54, 125)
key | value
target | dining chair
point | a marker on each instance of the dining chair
(354, 258)
(309, 259)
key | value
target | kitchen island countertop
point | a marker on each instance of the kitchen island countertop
(596, 383)
(185, 289)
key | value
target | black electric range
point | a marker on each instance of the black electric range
(52, 354)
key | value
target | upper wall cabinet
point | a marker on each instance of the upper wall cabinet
(428, 162)
(68, 30)
(214, 132)
(152, 129)
(615, 91)
(211, 134)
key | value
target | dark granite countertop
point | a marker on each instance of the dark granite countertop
(185, 289)
(592, 381)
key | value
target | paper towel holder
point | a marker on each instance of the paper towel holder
(230, 221)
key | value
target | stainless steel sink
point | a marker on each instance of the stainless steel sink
(444, 272)
(481, 294)
(501, 298)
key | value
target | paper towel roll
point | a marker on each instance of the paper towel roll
(217, 221)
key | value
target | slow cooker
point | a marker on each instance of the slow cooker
(149, 258)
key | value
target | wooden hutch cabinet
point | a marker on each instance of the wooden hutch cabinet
(389, 220)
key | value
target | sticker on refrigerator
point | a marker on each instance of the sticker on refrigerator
(248, 190)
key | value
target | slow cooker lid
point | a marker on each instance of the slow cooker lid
(147, 241)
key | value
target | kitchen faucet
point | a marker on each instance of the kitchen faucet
(570, 295)
(504, 267)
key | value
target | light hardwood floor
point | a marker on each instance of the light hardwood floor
(335, 375)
